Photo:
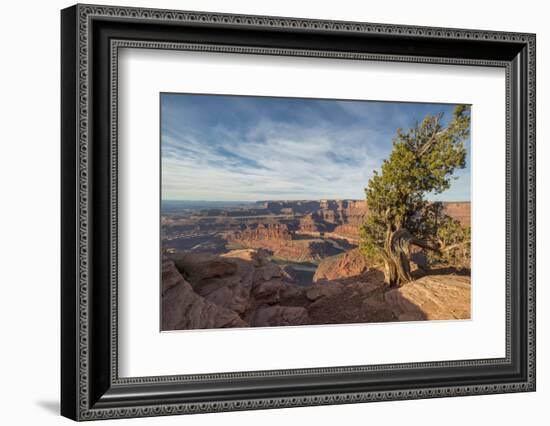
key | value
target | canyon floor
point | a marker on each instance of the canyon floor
(292, 263)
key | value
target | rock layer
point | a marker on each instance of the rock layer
(243, 285)
(243, 288)
(433, 297)
(183, 309)
(349, 264)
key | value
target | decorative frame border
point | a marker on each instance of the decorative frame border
(135, 44)
(85, 14)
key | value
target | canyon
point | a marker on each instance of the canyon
(298, 234)
(273, 263)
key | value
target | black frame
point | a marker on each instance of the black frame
(91, 37)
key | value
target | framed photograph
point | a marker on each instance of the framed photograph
(263, 212)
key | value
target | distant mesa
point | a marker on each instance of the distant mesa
(298, 230)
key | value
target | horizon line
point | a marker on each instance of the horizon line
(296, 199)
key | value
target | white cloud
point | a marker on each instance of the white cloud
(272, 159)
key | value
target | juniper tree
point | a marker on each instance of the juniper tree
(422, 161)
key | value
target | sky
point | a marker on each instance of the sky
(248, 148)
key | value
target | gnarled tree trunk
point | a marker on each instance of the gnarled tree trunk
(397, 250)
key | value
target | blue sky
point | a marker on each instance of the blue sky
(240, 148)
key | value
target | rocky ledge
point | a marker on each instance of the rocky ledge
(243, 288)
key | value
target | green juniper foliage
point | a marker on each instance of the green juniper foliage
(453, 240)
(422, 161)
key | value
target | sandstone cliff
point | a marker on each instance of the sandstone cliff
(183, 309)
(349, 264)
(283, 244)
(242, 284)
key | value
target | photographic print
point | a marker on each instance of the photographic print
(290, 211)
(221, 189)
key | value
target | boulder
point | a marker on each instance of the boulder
(320, 290)
(269, 291)
(267, 271)
(183, 309)
(432, 297)
(199, 266)
(277, 315)
(236, 280)
(273, 291)
(366, 288)
(232, 292)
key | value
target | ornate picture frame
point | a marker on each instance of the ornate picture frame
(91, 37)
